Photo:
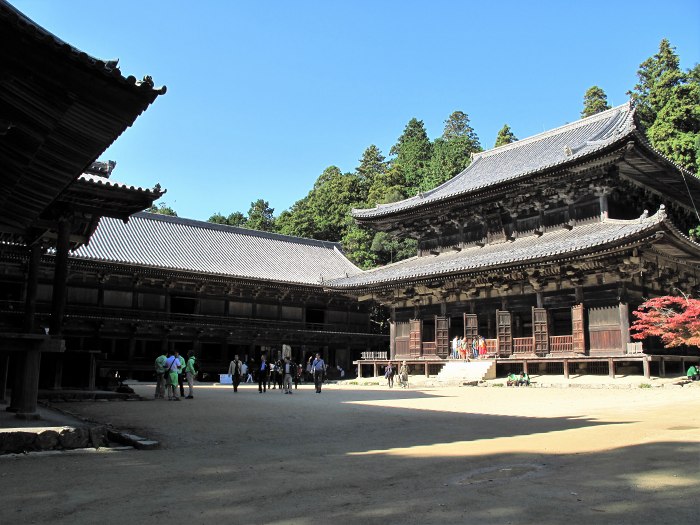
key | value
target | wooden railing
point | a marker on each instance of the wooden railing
(523, 345)
(429, 348)
(491, 347)
(561, 343)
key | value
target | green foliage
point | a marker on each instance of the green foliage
(323, 213)
(668, 106)
(505, 136)
(234, 219)
(413, 151)
(452, 152)
(594, 101)
(260, 216)
(372, 166)
(162, 208)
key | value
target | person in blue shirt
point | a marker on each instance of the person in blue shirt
(318, 369)
(263, 373)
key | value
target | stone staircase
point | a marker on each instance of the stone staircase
(456, 373)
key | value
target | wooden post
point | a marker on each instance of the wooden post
(645, 366)
(426, 369)
(566, 369)
(525, 366)
(29, 389)
(92, 372)
(374, 369)
(611, 368)
(662, 367)
(58, 299)
(4, 366)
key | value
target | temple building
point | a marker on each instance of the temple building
(543, 247)
(90, 287)
(159, 283)
(59, 110)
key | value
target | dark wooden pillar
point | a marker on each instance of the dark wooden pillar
(25, 386)
(29, 388)
(58, 304)
(4, 367)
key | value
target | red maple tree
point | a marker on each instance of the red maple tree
(676, 320)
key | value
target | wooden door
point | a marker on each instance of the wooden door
(442, 336)
(540, 331)
(605, 331)
(577, 332)
(504, 333)
(415, 337)
(471, 328)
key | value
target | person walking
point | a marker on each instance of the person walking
(235, 370)
(403, 375)
(389, 375)
(160, 376)
(288, 368)
(191, 373)
(318, 368)
(263, 373)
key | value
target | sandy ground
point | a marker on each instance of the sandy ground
(371, 455)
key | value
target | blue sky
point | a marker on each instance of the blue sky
(264, 95)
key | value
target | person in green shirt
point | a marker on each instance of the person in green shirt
(512, 380)
(191, 372)
(524, 379)
(694, 373)
(160, 379)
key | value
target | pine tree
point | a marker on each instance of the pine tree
(594, 101)
(505, 136)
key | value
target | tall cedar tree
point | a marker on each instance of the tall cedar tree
(451, 152)
(412, 155)
(594, 101)
(505, 136)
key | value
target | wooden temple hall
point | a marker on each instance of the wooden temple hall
(59, 110)
(91, 287)
(544, 247)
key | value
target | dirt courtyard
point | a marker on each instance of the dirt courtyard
(371, 455)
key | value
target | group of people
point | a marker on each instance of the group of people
(389, 373)
(281, 373)
(171, 371)
(464, 349)
(518, 380)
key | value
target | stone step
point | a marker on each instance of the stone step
(460, 372)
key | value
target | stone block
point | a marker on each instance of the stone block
(47, 440)
(17, 441)
(70, 438)
(98, 436)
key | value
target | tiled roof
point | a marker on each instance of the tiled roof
(174, 243)
(524, 250)
(106, 67)
(104, 181)
(556, 147)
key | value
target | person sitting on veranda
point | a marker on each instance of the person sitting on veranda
(524, 379)
(693, 373)
(512, 380)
